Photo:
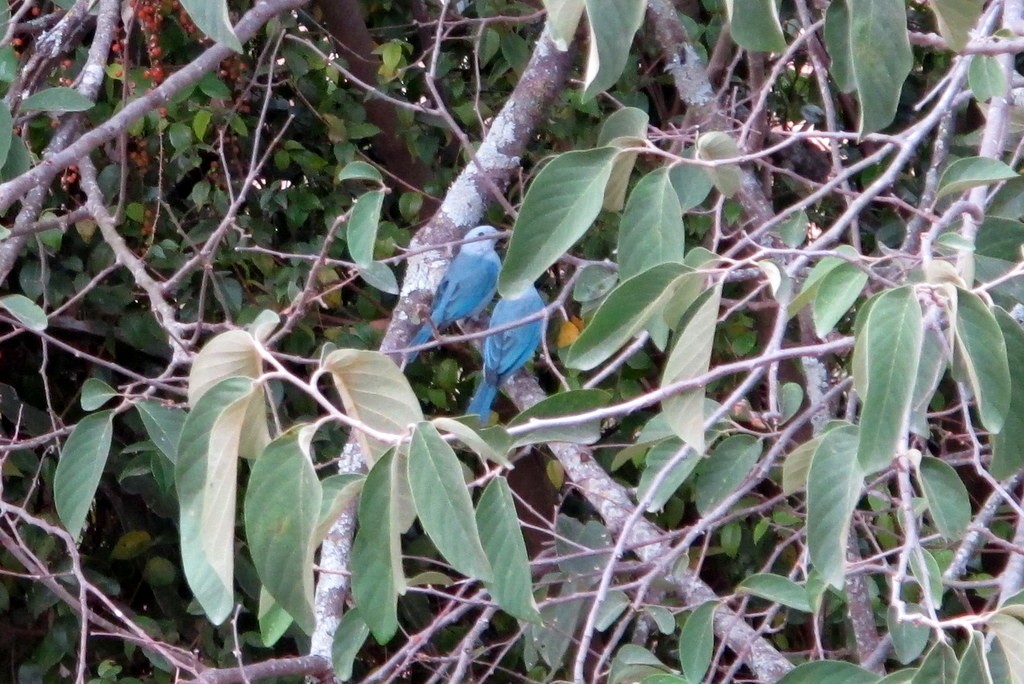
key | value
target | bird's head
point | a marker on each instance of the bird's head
(480, 246)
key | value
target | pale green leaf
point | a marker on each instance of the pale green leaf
(725, 469)
(754, 25)
(361, 234)
(230, 354)
(282, 506)
(206, 480)
(793, 230)
(955, 19)
(981, 358)
(777, 589)
(613, 606)
(691, 358)
(836, 293)
(563, 18)
(562, 202)
(947, 497)
(612, 25)
(348, 640)
(25, 311)
(833, 487)
(972, 172)
(79, 469)
(697, 641)
(651, 230)
(882, 59)
(60, 99)
(6, 132)
(908, 639)
(274, 620)
(1007, 456)
(374, 392)
(986, 77)
(624, 313)
(1010, 633)
(377, 554)
(691, 183)
(939, 666)
(96, 393)
(443, 503)
(719, 146)
(379, 275)
(890, 342)
(502, 535)
(837, 40)
(211, 16)
(625, 128)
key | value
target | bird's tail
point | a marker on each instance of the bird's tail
(421, 335)
(480, 404)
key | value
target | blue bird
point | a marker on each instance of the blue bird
(507, 351)
(467, 287)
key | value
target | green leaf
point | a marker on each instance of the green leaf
(230, 354)
(718, 146)
(793, 230)
(25, 311)
(563, 18)
(79, 469)
(691, 358)
(624, 128)
(691, 183)
(563, 404)
(377, 578)
(837, 40)
(206, 480)
(777, 589)
(562, 202)
(443, 503)
(59, 99)
(881, 59)
(939, 666)
(201, 122)
(624, 313)
(282, 506)
(1009, 632)
(375, 392)
(163, 424)
(612, 25)
(211, 16)
(955, 19)
(908, 639)
(754, 25)
(96, 393)
(274, 620)
(651, 230)
(697, 641)
(974, 662)
(889, 350)
(348, 640)
(1007, 456)
(657, 457)
(614, 604)
(830, 671)
(972, 172)
(6, 132)
(359, 170)
(338, 492)
(512, 585)
(836, 293)
(725, 469)
(833, 487)
(986, 77)
(379, 275)
(947, 497)
(472, 439)
(362, 227)
(981, 358)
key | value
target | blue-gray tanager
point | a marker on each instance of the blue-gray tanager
(507, 351)
(466, 289)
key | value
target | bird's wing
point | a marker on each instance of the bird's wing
(466, 289)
